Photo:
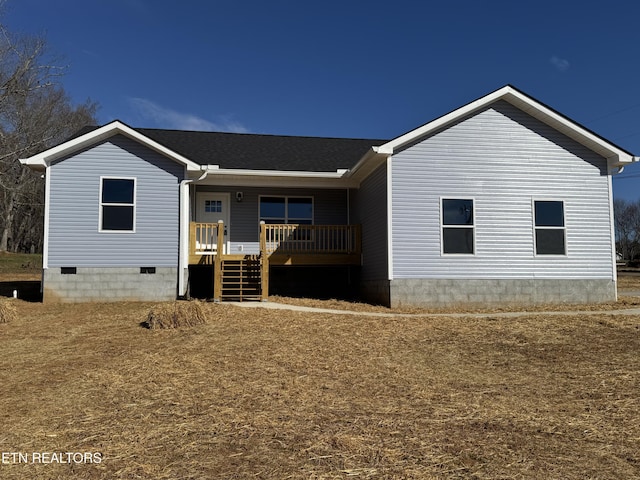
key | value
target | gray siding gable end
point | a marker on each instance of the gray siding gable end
(74, 205)
(503, 159)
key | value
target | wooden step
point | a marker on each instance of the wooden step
(241, 277)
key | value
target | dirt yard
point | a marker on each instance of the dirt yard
(276, 395)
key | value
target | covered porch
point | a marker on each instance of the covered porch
(245, 276)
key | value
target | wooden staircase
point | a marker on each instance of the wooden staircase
(240, 277)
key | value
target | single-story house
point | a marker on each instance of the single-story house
(503, 200)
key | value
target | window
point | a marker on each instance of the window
(117, 204)
(213, 206)
(549, 227)
(457, 223)
(286, 210)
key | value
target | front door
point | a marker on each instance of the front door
(212, 207)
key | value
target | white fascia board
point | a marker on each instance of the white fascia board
(275, 173)
(374, 157)
(44, 159)
(372, 152)
(38, 165)
(280, 178)
(614, 155)
(439, 122)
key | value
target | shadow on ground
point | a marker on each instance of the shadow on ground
(28, 290)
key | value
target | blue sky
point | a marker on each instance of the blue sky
(362, 69)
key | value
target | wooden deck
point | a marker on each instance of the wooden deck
(311, 244)
(280, 244)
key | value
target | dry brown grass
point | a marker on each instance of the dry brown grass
(622, 303)
(276, 394)
(20, 266)
(8, 312)
(628, 281)
(175, 315)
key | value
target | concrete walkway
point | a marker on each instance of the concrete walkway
(298, 308)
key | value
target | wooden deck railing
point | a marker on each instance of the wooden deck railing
(204, 237)
(309, 239)
(204, 241)
(279, 238)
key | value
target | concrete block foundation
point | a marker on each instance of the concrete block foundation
(103, 284)
(495, 292)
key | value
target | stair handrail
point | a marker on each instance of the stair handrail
(217, 266)
(264, 263)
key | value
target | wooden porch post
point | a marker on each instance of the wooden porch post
(217, 267)
(264, 264)
(192, 241)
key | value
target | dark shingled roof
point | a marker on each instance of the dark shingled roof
(262, 152)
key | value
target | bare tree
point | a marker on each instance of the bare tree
(35, 114)
(627, 226)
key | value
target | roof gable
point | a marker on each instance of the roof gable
(615, 155)
(100, 134)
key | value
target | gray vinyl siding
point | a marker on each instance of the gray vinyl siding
(329, 208)
(503, 159)
(370, 205)
(74, 204)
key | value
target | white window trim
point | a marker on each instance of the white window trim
(286, 206)
(535, 227)
(442, 227)
(134, 205)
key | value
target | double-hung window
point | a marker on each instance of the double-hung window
(117, 204)
(549, 227)
(457, 226)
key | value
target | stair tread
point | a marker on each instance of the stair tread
(250, 295)
(241, 277)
